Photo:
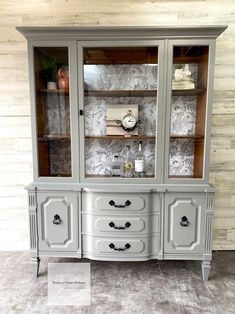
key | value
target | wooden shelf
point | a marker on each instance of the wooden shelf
(120, 55)
(105, 137)
(187, 59)
(181, 177)
(122, 93)
(185, 177)
(187, 137)
(110, 176)
(55, 91)
(188, 92)
(54, 137)
(140, 92)
(121, 137)
(57, 175)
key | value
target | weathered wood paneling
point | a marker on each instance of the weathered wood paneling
(15, 134)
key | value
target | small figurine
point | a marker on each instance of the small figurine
(183, 79)
(63, 78)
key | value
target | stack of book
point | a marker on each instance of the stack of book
(183, 84)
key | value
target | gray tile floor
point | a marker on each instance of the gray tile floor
(140, 287)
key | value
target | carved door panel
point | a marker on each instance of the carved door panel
(58, 221)
(184, 223)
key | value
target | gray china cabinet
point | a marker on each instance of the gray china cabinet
(100, 96)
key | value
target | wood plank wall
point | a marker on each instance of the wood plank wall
(15, 134)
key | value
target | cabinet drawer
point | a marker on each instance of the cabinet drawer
(98, 225)
(58, 221)
(133, 202)
(184, 223)
(121, 248)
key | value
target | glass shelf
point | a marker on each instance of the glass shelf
(110, 176)
(144, 137)
(120, 137)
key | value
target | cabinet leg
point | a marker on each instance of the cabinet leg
(206, 267)
(35, 261)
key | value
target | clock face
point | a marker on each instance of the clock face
(129, 121)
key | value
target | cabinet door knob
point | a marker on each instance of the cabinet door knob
(184, 221)
(112, 246)
(112, 225)
(57, 220)
(127, 203)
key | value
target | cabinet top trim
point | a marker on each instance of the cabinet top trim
(120, 32)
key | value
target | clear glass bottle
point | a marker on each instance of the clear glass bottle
(116, 166)
(139, 162)
(128, 164)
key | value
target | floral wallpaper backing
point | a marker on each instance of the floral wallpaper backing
(121, 76)
(183, 120)
(60, 157)
(58, 123)
(58, 113)
(99, 153)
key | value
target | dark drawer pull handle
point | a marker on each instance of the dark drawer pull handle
(184, 221)
(127, 225)
(112, 246)
(57, 220)
(127, 203)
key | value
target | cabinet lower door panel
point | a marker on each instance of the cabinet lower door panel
(58, 221)
(184, 223)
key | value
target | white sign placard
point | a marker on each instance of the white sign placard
(69, 284)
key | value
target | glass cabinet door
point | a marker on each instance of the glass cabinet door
(188, 111)
(120, 111)
(51, 66)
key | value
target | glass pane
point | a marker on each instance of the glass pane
(53, 111)
(120, 89)
(188, 110)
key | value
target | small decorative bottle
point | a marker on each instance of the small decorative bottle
(140, 162)
(128, 164)
(116, 167)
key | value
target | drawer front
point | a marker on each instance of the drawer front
(119, 248)
(58, 221)
(116, 202)
(184, 223)
(103, 225)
